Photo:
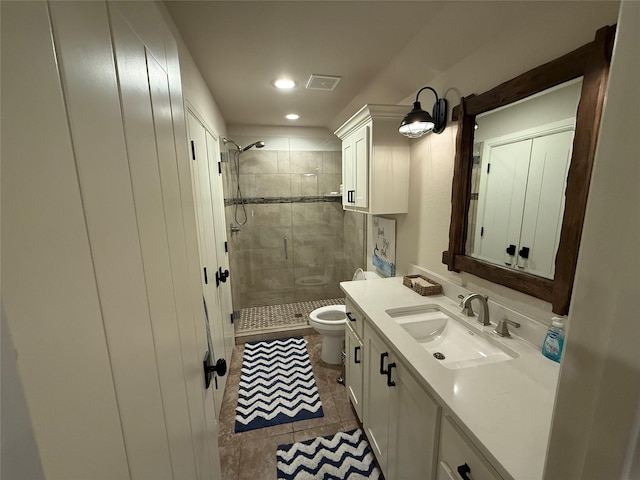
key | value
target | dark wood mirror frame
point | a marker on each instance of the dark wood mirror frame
(591, 61)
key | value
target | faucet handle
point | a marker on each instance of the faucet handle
(502, 329)
(461, 297)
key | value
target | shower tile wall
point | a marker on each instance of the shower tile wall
(317, 255)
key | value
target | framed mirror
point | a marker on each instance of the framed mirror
(524, 155)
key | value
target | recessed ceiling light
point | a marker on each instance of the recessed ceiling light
(292, 116)
(284, 83)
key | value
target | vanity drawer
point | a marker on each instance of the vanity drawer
(456, 451)
(355, 318)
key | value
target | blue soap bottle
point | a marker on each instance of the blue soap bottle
(554, 341)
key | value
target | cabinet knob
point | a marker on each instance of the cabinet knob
(524, 252)
(464, 470)
(511, 249)
(351, 317)
(355, 355)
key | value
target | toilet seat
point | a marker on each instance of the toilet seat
(330, 315)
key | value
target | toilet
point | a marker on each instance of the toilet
(330, 322)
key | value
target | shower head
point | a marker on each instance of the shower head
(258, 144)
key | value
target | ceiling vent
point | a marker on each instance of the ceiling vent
(322, 82)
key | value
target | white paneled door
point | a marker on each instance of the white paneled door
(97, 197)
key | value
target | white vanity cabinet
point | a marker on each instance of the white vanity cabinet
(353, 370)
(458, 458)
(354, 356)
(375, 161)
(400, 418)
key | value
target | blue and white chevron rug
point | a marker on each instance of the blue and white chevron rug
(276, 385)
(345, 455)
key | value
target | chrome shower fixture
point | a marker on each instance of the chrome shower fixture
(258, 144)
(226, 140)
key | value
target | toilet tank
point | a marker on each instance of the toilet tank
(365, 275)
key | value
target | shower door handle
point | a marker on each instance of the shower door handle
(286, 255)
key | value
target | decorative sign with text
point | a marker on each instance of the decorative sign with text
(383, 256)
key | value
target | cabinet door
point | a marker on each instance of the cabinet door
(348, 172)
(376, 396)
(354, 369)
(413, 424)
(361, 160)
(355, 317)
(456, 451)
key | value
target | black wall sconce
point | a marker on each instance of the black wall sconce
(418, 122)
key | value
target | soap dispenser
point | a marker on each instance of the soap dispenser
(554, 341)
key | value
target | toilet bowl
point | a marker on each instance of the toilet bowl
(330, 322)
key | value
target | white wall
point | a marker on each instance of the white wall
(597, 414)
(195, 90)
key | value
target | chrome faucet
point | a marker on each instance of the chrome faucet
(468, 311)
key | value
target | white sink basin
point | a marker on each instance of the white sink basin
(454, 344)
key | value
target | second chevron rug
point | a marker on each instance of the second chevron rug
(276, 385)
(343, 456)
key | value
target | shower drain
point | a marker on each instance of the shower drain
(439, 356)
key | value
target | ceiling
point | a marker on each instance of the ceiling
(383, 50)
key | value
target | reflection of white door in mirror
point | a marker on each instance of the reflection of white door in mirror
(521, 198)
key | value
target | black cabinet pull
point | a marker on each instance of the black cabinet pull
(351, 317)
(464, 471)
(390, 383)
(524, 252)
(355, 355)
(382, 357)
(511, 249)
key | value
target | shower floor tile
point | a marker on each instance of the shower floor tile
(270, 318)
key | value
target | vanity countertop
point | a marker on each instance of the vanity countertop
(505, 408)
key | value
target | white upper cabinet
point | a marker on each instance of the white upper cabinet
(375, 161)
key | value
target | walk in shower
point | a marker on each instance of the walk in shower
(290, 241)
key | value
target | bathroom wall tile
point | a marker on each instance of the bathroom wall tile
(247, 185)
(271, 237)
(273, 185)
(333, 215)
(304, 214)
(325, 184)
(310, 255)
(284, 164)
(268, 280)
(296, 184)
(309, 185)
(259, 298)
(306, 162)
(328, 164)
(269, 214)
(259, 161)
(337, 180)
(337, 161)
(273, 259)
(317, 235)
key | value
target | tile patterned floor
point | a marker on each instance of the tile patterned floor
(252, 455)
(279, 316)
